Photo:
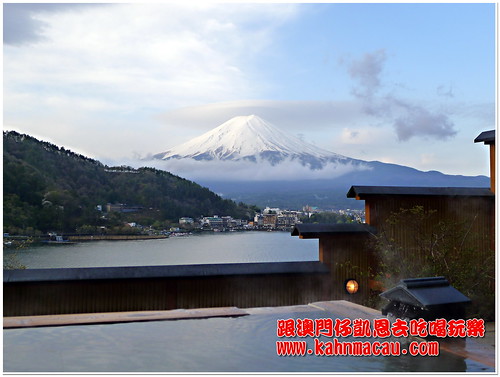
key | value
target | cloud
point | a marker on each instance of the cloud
(366, 71)
(365, 136)
(418, 121)
(409, 120)
(317, 122)
(100, 73)
(246, 170)
(140, 56)
(482, 114)
(112, 80)
(445, 91)
(21, 25)
(298, 114)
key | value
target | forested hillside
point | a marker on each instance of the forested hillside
(49, 188)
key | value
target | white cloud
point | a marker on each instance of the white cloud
(409, 118)
(92, 77)
(246, 170)
(315, 120)
(114, 80)
(365, 136)
(341, 127)
(156, 55)
(367, 71)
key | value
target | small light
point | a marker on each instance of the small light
(351, 286)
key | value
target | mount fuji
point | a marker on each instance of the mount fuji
(250, 138)
(248, 159)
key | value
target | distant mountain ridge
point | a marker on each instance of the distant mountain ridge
(258, 145)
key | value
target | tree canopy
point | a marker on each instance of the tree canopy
(50, 188)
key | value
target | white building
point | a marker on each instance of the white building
(213, 222)
(186, 221)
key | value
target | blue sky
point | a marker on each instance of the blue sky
(411, 84)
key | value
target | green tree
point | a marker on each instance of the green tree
(51, 188)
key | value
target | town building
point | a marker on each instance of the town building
(287, 219)
(269, 220)
(258, 220)
(186, 221)
(122, 208)
(214, 222)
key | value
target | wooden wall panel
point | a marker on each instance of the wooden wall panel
(477, 214)
(66, 297)
(349, 256)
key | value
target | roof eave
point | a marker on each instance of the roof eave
(311, 231)
(364, 192)
(486, 137)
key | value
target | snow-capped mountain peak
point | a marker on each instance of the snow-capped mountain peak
(250, 138)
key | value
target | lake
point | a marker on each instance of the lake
(204, 248)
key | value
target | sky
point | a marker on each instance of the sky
(406, 83)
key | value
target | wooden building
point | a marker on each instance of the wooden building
(488, 138)
(471, 208)
(345, 250)
(348, 253)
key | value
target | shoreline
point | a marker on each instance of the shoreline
(15, 239)
(87, 238)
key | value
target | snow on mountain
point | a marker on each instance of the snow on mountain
(251, 138)
(248, 159)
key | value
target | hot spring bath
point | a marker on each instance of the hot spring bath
(229, 344)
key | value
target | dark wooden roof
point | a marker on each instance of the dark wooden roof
(425, 292)
(155, 272)
(317, 230)
(487, 137)
(359, 192)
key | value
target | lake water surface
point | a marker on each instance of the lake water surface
(205, 248)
